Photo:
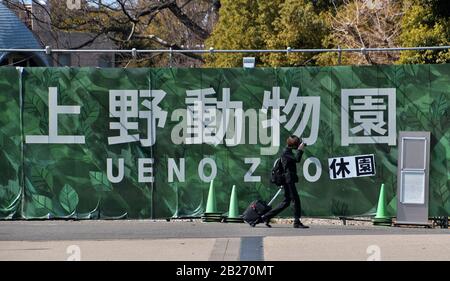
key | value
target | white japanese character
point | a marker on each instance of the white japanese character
(273, 101)
(209, 119)
(123, 104)
(310, 106)
(367, 107)
(311, 110)
(153, 115)
(368, 112)
(231, 110)
(53, 111)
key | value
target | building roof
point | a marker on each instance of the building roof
(15, 35)
(70, 40)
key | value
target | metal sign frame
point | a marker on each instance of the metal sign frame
(413, 178)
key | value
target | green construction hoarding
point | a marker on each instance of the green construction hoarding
(92, 143)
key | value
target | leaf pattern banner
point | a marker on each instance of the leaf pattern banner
(90, 143)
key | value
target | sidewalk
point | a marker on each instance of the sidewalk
(345, 247)
(358, 248)
(112, 250)
(197, 241)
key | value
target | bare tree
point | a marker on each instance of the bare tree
(152, 24)
(367, 24)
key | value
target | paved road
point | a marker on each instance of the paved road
(144, 229)
(181, 240)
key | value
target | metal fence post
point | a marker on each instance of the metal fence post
(170, 57)
(339, 55)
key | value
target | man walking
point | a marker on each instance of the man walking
(289, 161)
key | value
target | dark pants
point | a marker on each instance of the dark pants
(290, 194)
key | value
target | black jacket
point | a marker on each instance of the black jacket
(289, 161)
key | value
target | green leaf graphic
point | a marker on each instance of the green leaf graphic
(43, 202)
(68, 198)
(100, 181)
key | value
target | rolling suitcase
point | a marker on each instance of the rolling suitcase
(257, 209)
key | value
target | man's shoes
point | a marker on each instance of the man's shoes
(300, 225)
(266, 221)
(258, 221)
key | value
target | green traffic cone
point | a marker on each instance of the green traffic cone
(211, 206)
(233, 210)
(381, 218)
(381, 208)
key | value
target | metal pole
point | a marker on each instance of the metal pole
(339, 55)
(170, 57)
(134, 51)
(22, 157)
(153, 191)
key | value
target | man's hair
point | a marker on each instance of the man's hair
(293, 141)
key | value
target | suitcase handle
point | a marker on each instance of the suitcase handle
(275, 196)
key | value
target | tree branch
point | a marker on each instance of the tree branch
(195, 28)
(88, 42)
(166, 44)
